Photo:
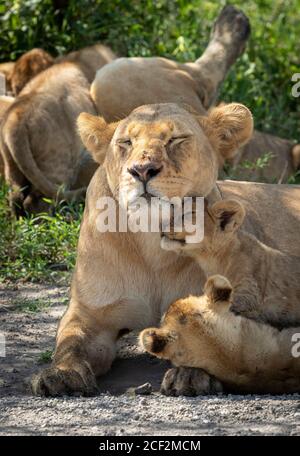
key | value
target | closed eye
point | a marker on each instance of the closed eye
(124, 142)
(178, 140)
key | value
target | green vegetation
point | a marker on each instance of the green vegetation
(177, 29)
(30, 305)
(38, 248)
(45, 357)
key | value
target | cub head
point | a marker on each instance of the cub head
(186, 329)
(221, 222)
(164, 150)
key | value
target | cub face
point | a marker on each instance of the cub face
(164, 150)
(187, 328)
(221, 222)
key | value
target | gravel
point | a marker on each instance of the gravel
(126, 405)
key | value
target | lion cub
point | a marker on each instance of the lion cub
(266, 282)
(243, 354)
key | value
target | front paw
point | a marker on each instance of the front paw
(189, 381)
(56, 381)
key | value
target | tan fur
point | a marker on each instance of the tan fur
(27, 66)
(5, 103)
(6, 70)
(282, 159)
(124, 280)
(128, 83)
(89, 59)
(155, 133)
(265, 280)
(42, 151)
(159, 80)
(204, 332)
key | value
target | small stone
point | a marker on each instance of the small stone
(144, 389)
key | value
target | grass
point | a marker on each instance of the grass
(39, 248)
(43, 248)
(30, 305)
(45, 357)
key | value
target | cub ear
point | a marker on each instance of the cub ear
(228, 214)
(228, 127)
(218, 290)
(155, 340)
(95, 134)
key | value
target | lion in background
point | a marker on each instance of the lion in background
(40, 147)
(30, 64)
(118, 88)
(245, 355)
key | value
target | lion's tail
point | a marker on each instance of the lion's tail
(15, 139)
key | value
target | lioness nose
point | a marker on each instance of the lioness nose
(145, 172)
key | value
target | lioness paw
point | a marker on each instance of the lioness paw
(54, 381)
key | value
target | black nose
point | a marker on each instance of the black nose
(145, 172)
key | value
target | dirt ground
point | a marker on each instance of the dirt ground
(28, 320)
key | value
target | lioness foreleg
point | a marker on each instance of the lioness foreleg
(85, 348)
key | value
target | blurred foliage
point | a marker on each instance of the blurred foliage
(177, 29)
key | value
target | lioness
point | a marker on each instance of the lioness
(5, 103)
(265, 158)
(6, 69)
(27, 66)
(124, 280)
(18, 73)
(245, 355)
(42, 152)
(128, 83)
(266, 281)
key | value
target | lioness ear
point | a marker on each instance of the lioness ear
(228, 127)
(218, 290)
(95, 134)
(228, 214)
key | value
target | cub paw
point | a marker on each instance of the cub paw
(55, 381)
(189, 381)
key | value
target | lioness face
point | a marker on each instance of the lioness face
(160, 151)
(164, 150)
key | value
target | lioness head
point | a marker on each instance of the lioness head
(163, 150)
(186, 327)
